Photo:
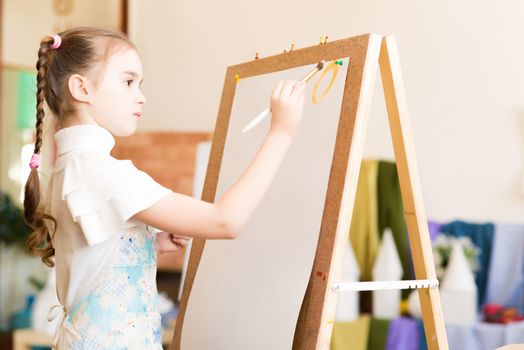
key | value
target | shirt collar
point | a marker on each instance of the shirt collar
(85, 136)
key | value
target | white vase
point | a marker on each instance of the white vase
(348, 302)
(387, 267)
(458, 291)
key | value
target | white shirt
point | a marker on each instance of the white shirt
(92, 197)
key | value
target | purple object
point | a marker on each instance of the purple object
(403, 334)
(434, 229)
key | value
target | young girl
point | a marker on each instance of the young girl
(97, 216)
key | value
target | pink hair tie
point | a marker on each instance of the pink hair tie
(35, 161)
(57, 41)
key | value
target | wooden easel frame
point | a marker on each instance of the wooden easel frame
(366, 52)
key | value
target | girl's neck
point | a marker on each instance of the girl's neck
(75, 120)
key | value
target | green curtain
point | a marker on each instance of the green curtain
(378, 334)
(391, 215)
(26, 100)
(363, 234)
(351, 335)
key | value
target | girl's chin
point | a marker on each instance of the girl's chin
(130, 130)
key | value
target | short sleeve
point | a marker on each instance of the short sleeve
(103, 193)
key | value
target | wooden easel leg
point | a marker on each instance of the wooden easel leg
(316, 319)
(414, 213)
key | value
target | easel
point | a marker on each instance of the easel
(315, 322)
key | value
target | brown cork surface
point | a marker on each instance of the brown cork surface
(308, 326)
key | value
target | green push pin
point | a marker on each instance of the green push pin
(339, 62)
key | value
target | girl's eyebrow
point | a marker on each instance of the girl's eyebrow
(134, 75)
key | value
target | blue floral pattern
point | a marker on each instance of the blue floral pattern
(120, 311)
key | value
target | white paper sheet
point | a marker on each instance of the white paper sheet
(248, 292)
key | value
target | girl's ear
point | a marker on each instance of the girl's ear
(78, 88)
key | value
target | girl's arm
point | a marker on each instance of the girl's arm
(184, 215)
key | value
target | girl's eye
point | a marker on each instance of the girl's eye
(129, 82)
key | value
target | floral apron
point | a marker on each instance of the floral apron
(119, 311)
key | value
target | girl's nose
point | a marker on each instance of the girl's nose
(141, 98)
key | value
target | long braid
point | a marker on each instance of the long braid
(78, 51)
(39, 242)
(41, 68)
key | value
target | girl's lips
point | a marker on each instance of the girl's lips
(137, 115)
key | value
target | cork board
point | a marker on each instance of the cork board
(333, 207)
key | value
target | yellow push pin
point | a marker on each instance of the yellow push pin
(237, 78)
(321, 40)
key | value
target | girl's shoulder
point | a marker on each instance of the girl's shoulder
(97, 172)
(89, 159)
(102, 193)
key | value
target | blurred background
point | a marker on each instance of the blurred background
(462, 70)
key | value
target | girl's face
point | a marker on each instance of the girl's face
(116, 103)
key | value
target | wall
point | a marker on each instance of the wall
(25, 22)
(461, 63)
(462, 66)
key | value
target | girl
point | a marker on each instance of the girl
(97, 217)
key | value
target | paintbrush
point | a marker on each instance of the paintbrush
(267, 111)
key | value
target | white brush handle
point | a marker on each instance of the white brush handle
(256, 120)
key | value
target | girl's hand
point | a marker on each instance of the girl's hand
(168, 242)
(287, 106)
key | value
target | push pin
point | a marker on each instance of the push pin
(323, 40)
(237, 78)
(256, 56)
(339, 62)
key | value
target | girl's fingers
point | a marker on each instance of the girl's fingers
(287, 88)
(183, 243)
(180, 241)
(277, 90)
(298, 88)
(172, 235)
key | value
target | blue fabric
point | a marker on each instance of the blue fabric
(461, 338)
(403, 334)
(422, 344)
(480, 336)
(487, 336)
(514, 333)
(484, 336)
(482, 236)
(506, 275)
